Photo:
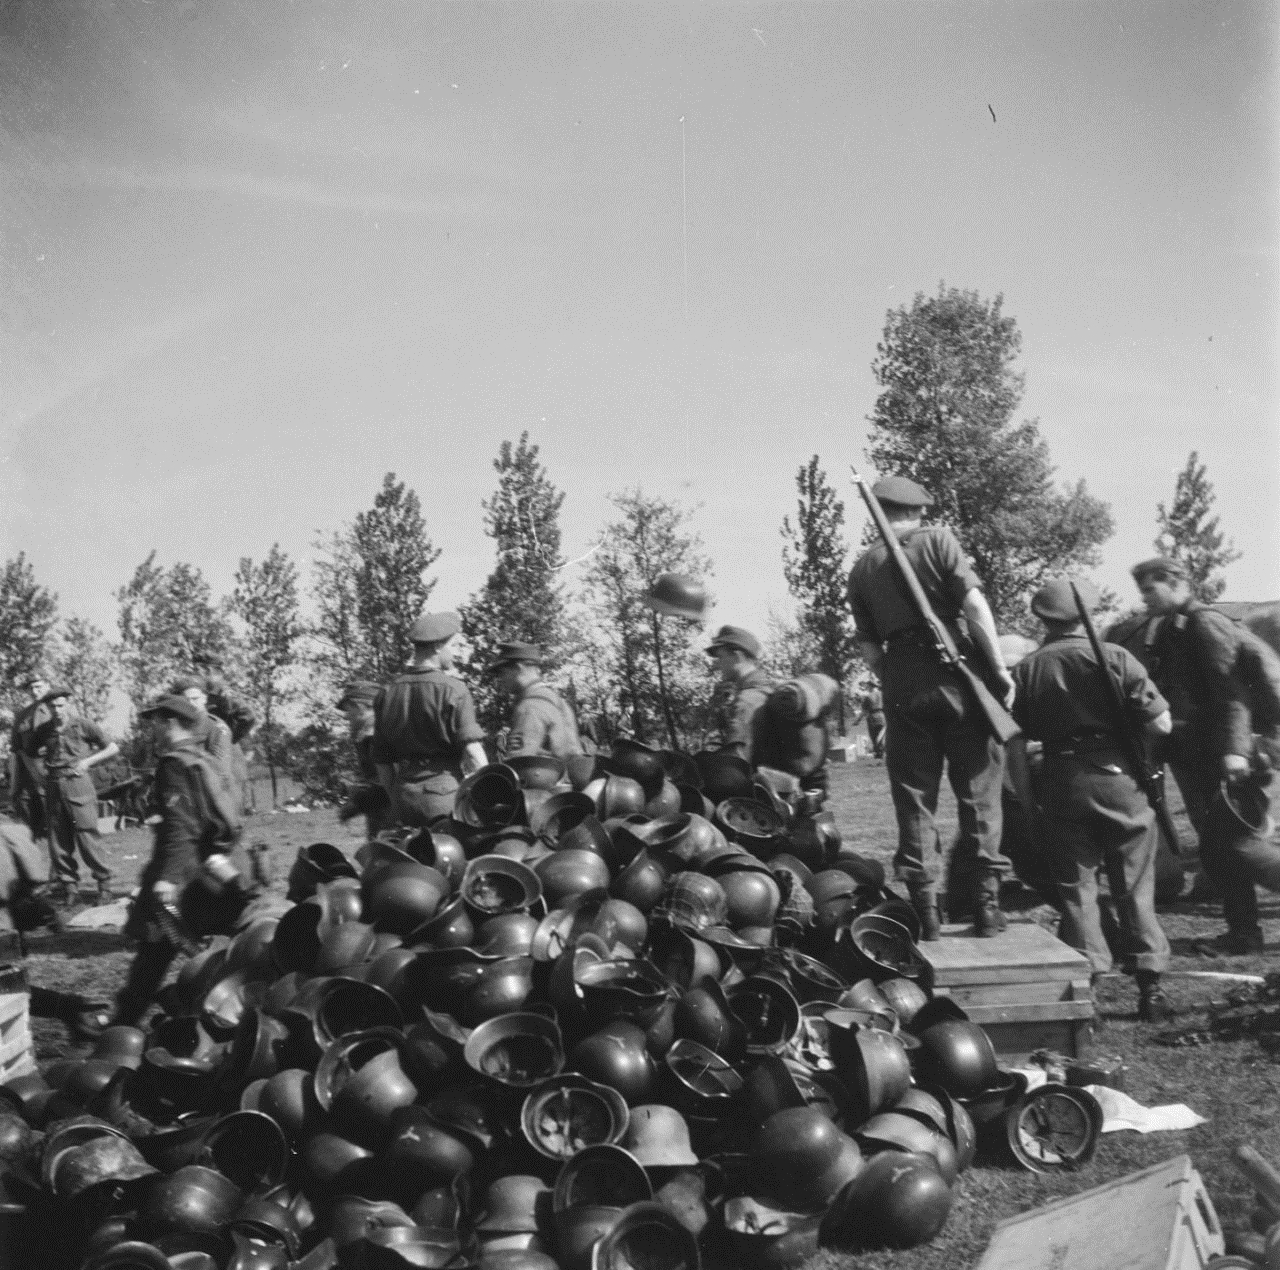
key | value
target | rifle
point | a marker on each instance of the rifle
(998, 720)
(1150, 780)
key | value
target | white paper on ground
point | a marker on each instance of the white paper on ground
(1119, 1111)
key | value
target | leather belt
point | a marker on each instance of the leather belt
(1081, 743)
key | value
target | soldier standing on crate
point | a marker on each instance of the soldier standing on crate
(425, 732)
(26, 771)
(930, 719)
(1095, 814)
(192, 886)
(70, 746)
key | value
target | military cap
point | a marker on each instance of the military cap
(1055, 603)
(735, 637)
(358, 690)
(30, 681)
(1172, 569)
(434, 628)
(513, 652)
(185, 682)
(900, 490)
(54, 693)
(178, 707)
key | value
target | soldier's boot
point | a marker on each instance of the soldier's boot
(988, 920)
(1153, 1005)
(924, 899)
(105, 894)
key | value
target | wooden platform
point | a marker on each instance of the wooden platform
(1026, 987)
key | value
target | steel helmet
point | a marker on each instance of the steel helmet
(489, 798)
(320, 862)
(335, 1165)
(495, 884)
(602, 1176)
(289, 1099)
(516, 1051)
(194, 1200)
(422, 1153)
(617, 1056)
(642, 882)
(666, 802)
(510, 935)
(877, 947)
(249, 1148)
(556, 815)
(695, 902)
(724, 775)
(659, 1137)
(905, 996)
(129, 1255)
(103, 1159)
(642, 763)
(677, 595)
(536, 771)
(960, 1127)
(803, 1159)
(400, 897)
(567, 1113)
(587, 835)
(579, 1229)
(753, 897)
(872, 1065)
(16, 1136)
(764, 1238)
(898, 1200)
(442, 851)
(122, 1045)
(646, 1234)
(697, 1081)
(925, 1107)
(704, 1015)
(893, 1131)
(750, 822)
(263, 1219)
(451, 927)
(616, 796)
(513, 1204)
(768, 1011)
(359, 1079)
(503, 987)
(566, 873)
(957, 1055)
(353, 1217)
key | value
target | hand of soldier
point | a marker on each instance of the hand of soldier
(1234, 767)
(81, 768)
(1007, 686)
(165, 892)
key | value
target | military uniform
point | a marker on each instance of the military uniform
(27, 793)
(929, 715)
(422, 720)
(1095, 813)
(71, 800)
(872, 703)
(543, 723)
(737, 702)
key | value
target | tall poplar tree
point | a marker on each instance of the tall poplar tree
(1190, 533)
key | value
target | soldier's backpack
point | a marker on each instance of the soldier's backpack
(789, 730)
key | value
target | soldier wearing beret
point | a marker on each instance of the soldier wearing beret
(425, 732)
(542, 721)
(929, 717)
(744, 688)
(1195, 660)
(70, 746)
(1095, 814)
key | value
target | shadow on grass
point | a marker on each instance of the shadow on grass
(72, 944)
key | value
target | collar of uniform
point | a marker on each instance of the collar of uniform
(539, 688)
(424, 670)
(1058, 639)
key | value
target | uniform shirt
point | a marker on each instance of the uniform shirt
(543, 723)
(737, 712)
(189, 830)
(1194, 657)
(362, 743)
(226, 706)
(879, 598)
(423, 716)
(62, 748)
(214, 737)
(1060, 693)
(28, 721)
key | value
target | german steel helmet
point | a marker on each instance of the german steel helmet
(677, 595)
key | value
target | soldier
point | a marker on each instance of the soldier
(1095, 813)
(541, 719)
(744, 687)
(929, 716)
(26, 771)
(368, 797)
(1194, 661)
(70, 746)
(190, 886)
(425, 734)
(871, 704)
(212, 733)
(223, 704)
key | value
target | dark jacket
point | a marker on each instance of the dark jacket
(737, 711)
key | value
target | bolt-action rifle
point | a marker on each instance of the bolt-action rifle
(1150, 778)
(998, 720)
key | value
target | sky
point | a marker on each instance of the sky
(256, 254)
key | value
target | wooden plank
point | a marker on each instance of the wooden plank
(1013, 1042)
(1023, 953)
(995, 993)
(1029, 1011)
(1005, 974)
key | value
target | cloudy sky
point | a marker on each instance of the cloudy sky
(258, 253)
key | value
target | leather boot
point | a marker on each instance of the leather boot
(988, 920)
(1153, 1005)
(924, 899)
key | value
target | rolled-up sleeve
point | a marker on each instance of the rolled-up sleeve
(464, 727)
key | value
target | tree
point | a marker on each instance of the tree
(944, 417)
(28, 614)
(266, 598)
(85, 663)
(169, 625)
(815, 565)
(642, 673)
(1189, 532)
(522, 599)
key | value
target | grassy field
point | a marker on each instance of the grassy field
(1235, 1085)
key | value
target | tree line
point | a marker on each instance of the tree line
(944, 415)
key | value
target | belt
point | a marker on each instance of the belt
(1081, 743)
(416, 769)
(911, 637)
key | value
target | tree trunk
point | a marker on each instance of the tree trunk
(662, 683)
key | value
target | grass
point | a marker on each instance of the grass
(1234, 1085)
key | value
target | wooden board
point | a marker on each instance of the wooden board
(1024, 953)
(1158, 1219)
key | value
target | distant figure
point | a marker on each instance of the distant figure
(224, 704)
(70, 746)
(871, 703)
(211, 733)
(744, 687)
(426, 735)
(542, 721)
(368, 796)
(26, 771)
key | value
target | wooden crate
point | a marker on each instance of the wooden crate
(1027, 988)
(16, 1055)
(1158, 1219)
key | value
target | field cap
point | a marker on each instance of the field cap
(1055, 603)
(900, 490)
(432, 628)
(54, 693)
(735, 637)
(1171, 569)
(176, 706)
(513, 652)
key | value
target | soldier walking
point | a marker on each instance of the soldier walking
(356, 703)
(930, 718)
(70, 746)
(1095, 814)
(542, 721)
(744, 688)
(425, 732)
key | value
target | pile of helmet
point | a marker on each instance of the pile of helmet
(592, 1026)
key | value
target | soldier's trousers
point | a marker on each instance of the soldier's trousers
(146, 973)
(66, 839)
(875, 734)
(422, 799)
(931, 723)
